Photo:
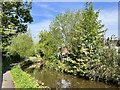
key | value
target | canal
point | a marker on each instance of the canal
(55, 79)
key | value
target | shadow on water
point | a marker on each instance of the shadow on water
(55, 79)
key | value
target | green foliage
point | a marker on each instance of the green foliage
(79, 30)
(22, 79)
(22, 44)
(83, 34)
(47, 46)
(14, 16)
(17, 13)
(7, 35)
(63, 27)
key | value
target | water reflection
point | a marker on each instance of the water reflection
(65, 83)
(55, 79)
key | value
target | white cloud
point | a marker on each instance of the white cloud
(37, 27)
(48, 15)
(45, 13)
(46, 6)
(109, 18)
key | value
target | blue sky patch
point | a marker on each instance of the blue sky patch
(44, 12)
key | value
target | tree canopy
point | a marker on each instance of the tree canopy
(22, 45)
(82, 33)
(17, 13)
(14, 17)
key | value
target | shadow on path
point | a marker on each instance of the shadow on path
(1, 79)
(6, 79)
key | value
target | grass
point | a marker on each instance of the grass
(23, 80)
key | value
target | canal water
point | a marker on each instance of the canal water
(55, 79)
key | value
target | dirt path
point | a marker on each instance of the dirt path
(7, 80)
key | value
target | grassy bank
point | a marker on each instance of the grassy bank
(23, 80)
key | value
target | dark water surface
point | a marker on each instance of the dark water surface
(56, 79)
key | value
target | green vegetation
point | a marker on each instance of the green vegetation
(16, 13)
(77, 36)
(23, 80)
(90, 55)
(22, 45)
(15, 16)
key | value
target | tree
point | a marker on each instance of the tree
(22, 45)
(63, 26)
(47, 45)
(88, 40)
(17, 13)
(80, 30)
(84, 33)
(14, 17)
(89, 33)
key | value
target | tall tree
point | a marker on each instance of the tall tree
(63, 26)
(14, 17)
(17, 13)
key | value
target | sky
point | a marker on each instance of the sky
(44, 12)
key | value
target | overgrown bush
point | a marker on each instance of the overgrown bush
(83, 34)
